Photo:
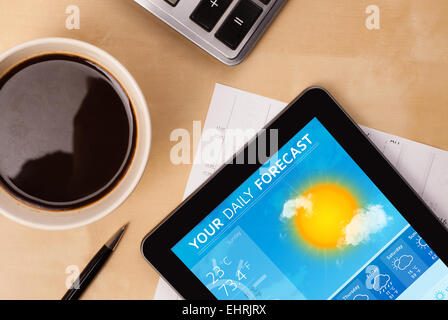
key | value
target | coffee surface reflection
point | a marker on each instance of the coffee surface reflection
(67, 131)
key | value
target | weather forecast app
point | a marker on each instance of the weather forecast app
(310, 224)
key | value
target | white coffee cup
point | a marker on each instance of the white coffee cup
(40, 218)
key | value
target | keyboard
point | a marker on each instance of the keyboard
(227, 29)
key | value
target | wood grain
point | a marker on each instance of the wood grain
(393, 79)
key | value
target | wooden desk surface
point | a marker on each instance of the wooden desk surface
(393, 79)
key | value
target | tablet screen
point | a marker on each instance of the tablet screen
(310, 224)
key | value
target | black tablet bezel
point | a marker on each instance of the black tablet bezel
(312, 103)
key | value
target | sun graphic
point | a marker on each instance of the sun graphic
(329, 209)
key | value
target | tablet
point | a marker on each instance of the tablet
(324, 217)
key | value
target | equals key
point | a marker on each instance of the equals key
(238, 23)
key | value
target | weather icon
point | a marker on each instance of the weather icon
(403, 262)
(380, 281)
(376, 280)
(361, 297)
(421, 243)
(329, 216)
(439, 295)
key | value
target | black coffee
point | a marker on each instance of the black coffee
(67, 131)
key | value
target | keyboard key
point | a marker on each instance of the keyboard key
(208, 13)
(238, 23)
(172, 2)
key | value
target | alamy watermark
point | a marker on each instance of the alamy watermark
(73, 21)
(219, 145)
(72, 280)
(373, 18)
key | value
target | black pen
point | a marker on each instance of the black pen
(94, 266)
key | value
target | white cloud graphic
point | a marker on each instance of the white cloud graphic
(403, 262)
(361, 297)
(365, 223)
(380, 281)
(290, 207)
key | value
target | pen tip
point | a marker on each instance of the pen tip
(112, 243)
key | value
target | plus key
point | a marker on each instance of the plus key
(208, 13)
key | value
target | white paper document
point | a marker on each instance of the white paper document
(424, 167)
